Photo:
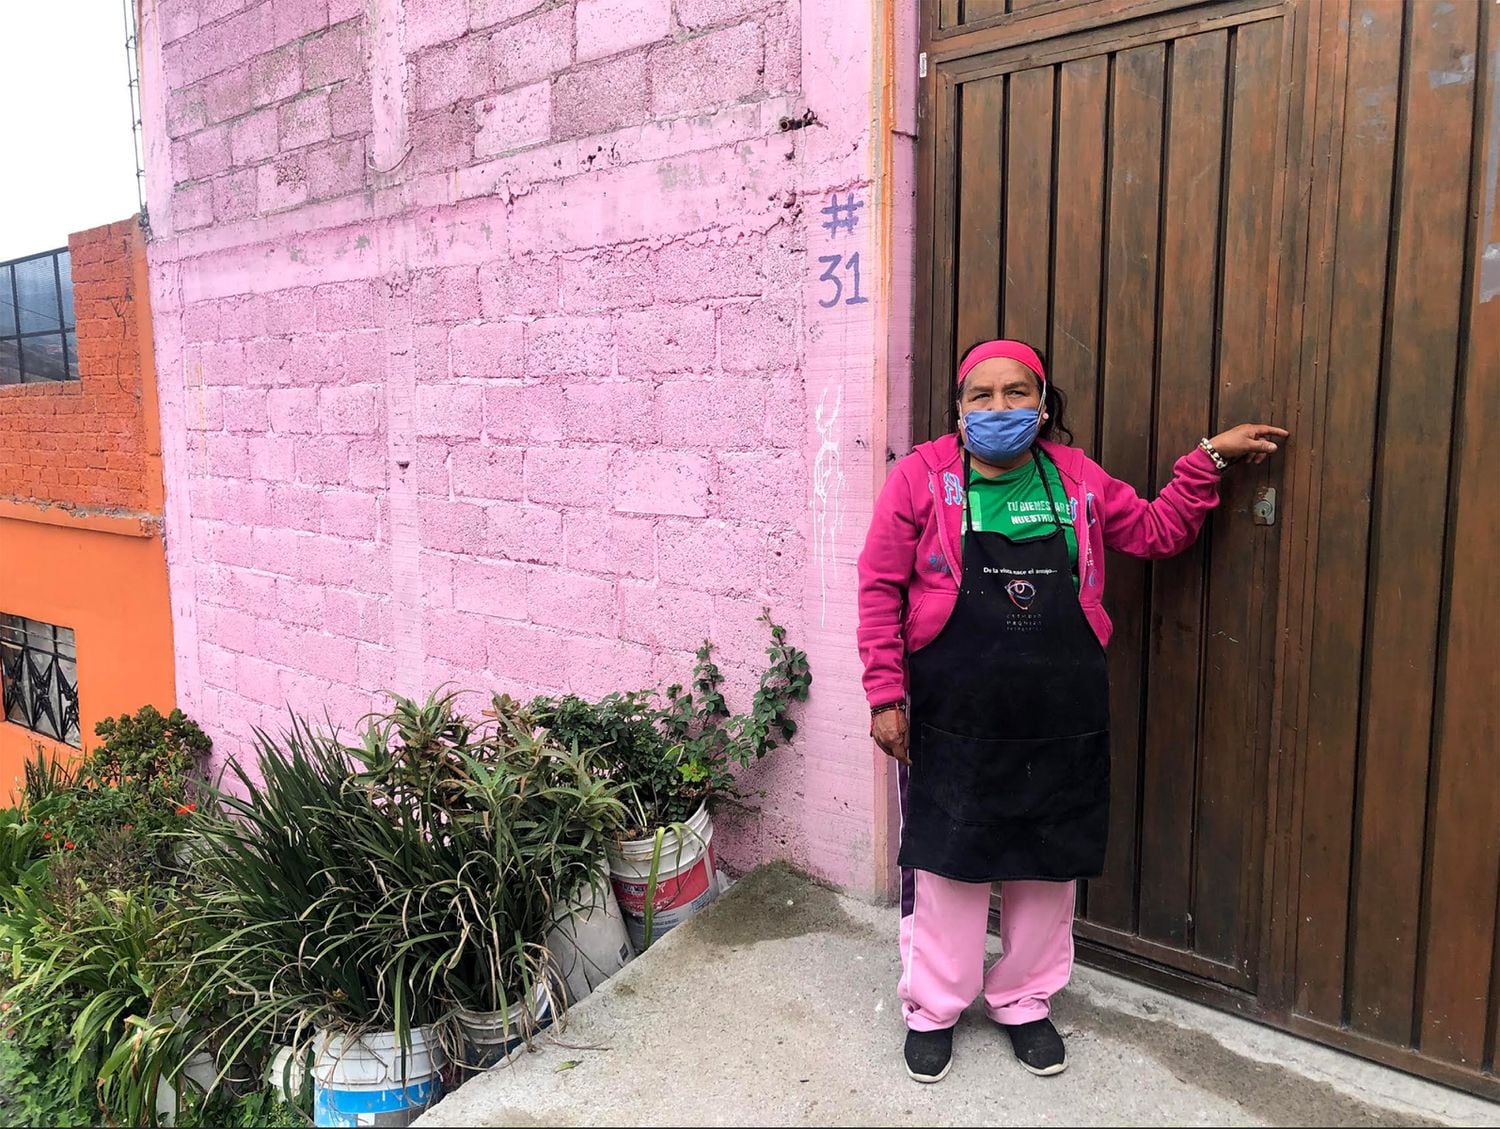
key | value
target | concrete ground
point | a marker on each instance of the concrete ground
(776, 1006)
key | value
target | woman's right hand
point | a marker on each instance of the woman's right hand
(888, 727)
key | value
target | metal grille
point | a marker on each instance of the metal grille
(38, 331)
(39, 676)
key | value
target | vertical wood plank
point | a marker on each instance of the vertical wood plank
(1183, 403)
(1465, 870)
(1361, 246)
(1412, 490)
(1315, 55)
(1082, 100)
(935, 300)
(1237, 693)
(981, 148)
(948, 14)
(1125, 443)
(1028, 205)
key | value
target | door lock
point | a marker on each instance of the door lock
(1264, 510)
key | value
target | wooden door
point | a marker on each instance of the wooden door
(1207, 212)
(1115, 201)
(1393, 658)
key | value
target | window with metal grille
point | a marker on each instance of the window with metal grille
(39, 677)
(38, 331)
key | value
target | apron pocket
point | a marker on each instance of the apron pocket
(999, 780)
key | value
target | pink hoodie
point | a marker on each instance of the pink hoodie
(909, 569)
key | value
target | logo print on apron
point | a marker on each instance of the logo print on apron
(1021, 593)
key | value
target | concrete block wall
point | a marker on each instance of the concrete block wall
(499, 346)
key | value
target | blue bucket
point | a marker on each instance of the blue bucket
(369, 1081)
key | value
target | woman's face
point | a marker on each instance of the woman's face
(998, 385)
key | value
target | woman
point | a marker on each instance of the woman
(980, 613)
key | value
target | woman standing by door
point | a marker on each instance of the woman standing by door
(980, 612)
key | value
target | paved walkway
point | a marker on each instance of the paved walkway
(776, 1006)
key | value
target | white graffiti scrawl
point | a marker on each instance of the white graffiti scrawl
(828, 494)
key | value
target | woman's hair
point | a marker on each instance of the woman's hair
(1055, 426)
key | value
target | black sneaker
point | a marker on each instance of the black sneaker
(929, 1054)
(1038, 1046)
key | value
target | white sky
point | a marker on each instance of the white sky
(69, 160)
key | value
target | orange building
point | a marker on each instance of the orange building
(85, 623)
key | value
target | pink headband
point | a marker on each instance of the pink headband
(1014, 350)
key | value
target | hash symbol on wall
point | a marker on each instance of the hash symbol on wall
(842, 217)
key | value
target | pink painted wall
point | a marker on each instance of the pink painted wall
(500, 344)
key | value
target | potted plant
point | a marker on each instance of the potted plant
(91, 914)
(513, 822)
(679, 762)
(376, 898)
(296, 924)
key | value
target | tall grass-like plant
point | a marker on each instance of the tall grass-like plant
(289, 881)
(44, 774)
(101, 965)
(389, 883)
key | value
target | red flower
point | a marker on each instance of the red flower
(184, 809)
(46, 834)
(68, 846)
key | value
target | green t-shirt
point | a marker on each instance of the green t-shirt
(1015, 505)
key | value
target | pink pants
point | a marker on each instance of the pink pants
(943, 927)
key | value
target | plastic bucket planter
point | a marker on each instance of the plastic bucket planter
(369, 1080)
(493, 1037)
(200, 1071)
(686, 880)
(590, 943)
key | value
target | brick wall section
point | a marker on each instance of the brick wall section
(90, 444)
(529, 411)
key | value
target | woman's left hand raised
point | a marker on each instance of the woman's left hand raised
(1252, 441)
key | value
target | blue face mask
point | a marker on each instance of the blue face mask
(1001, 437)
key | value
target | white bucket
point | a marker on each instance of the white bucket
(589, 944)
(493, 1037)
(200, 1071)
(686, 878)
(370, 1080)
(286, 1074)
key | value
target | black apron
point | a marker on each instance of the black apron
(1009, 721)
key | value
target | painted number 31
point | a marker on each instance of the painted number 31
(830, 273)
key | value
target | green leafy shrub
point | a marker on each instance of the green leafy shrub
(89, 916)
(675, 758)
(103, 966)
(125, 799)
(36, 1078)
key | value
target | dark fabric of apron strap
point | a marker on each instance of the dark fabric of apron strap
(1046, 487)
(968, 506)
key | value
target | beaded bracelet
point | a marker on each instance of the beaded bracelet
(1209, 450)
(888, 706)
